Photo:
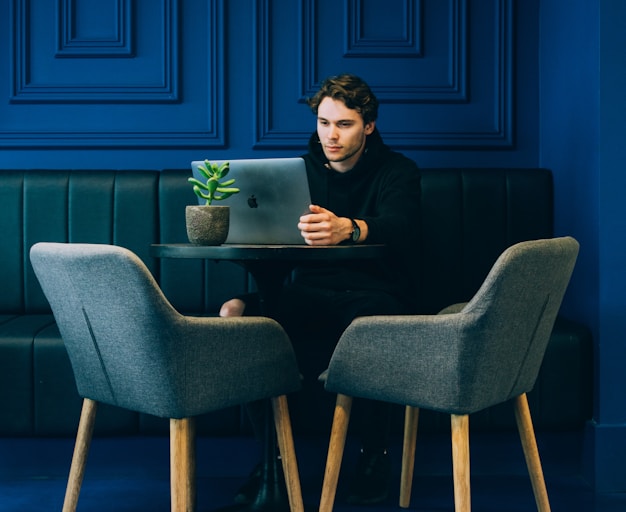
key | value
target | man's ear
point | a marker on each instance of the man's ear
(369, 127)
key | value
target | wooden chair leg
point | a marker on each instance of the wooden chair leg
(287, 453)
(182, 465)
(531, 452)
(461, 462)
(336, 446)
(411, 416)
(79, 458)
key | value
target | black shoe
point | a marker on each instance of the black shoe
(371, 481)
(247, 493)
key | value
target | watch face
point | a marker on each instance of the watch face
(356, 233)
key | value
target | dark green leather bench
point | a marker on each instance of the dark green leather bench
(468, 218)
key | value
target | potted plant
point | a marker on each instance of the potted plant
(208, 224)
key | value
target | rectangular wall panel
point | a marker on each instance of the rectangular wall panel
(232, 77)
(442, 80)
(111, 73)
(101, 72)
(95, 28)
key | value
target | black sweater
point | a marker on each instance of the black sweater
(383, 189)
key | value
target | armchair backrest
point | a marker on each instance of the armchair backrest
(466, 358)
(101, 297)
(508, 322)
(129, 347)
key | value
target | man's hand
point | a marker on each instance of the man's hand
(323, 227)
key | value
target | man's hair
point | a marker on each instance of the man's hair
(352, 91)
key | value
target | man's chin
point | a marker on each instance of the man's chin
(334, 157)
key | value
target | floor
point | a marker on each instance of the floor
(132, 474)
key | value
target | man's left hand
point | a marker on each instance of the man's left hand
(323, 227)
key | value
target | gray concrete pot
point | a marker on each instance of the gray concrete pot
(207, 225)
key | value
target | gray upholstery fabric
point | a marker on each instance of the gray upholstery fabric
(130, 348)
(471, 356)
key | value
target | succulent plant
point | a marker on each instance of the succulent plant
(214, 189)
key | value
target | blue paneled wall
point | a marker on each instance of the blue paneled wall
(155, 83)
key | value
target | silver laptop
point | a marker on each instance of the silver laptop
(274, 193)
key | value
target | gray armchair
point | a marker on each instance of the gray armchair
(467, 358)
(130, 348)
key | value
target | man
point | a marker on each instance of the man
(362, 192)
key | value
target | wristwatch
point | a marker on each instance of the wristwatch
(356, 232)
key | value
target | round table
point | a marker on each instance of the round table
(269, 265)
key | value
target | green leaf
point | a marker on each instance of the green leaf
(197, 183)
(225, 190)
(224, 169)
(200, 193)
(204, 171)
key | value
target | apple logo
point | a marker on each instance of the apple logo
(252, 202)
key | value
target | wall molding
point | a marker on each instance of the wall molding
(117, 103)
(72, 42)
(427, 79)
(114, 86)
(408, 43)
(449, 88)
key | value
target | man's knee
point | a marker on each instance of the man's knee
(232, 307)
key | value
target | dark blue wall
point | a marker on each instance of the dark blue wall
(157, 83)
(582, 113)
(129, 84)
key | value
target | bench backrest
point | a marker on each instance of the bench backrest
(469, 216)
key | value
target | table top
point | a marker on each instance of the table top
(268, 252)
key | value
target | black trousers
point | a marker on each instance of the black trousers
(314, 318)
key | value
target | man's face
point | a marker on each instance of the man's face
(342, 133)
